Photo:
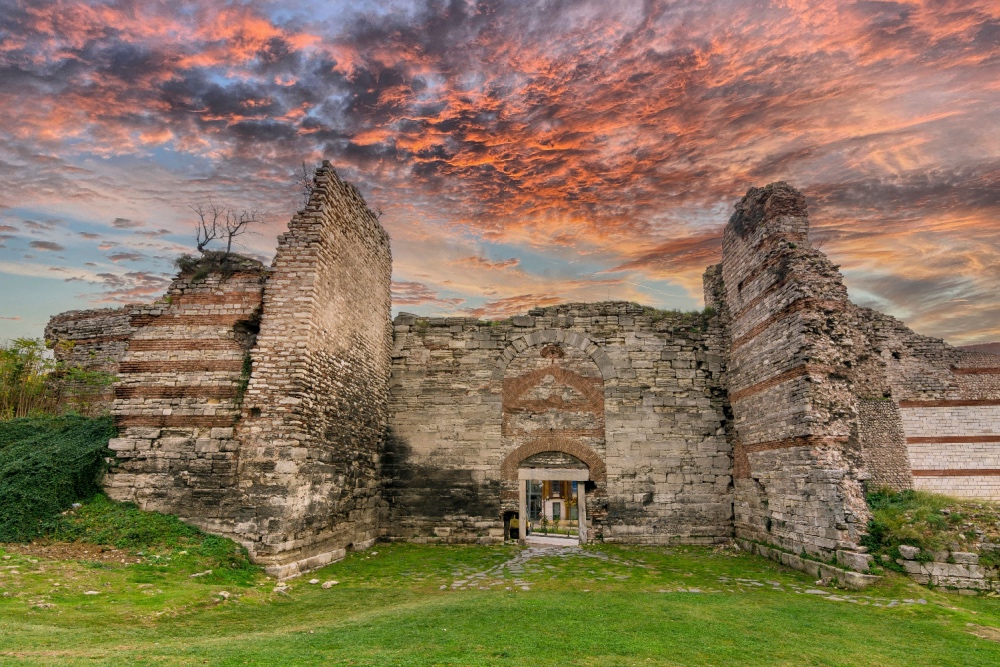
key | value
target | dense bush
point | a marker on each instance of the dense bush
(198, 267)
(46, 464)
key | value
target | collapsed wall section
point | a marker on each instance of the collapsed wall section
(94, 342)
(315, 408)
(177, 396)
(797, 463)
(635, 393)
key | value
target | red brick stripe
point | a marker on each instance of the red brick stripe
(766, 246)
(196, 391)
(957, 472)
(798, 441)
(231, 365)
(790, 309)
(167, 421)
(958, 403)
(169, 320)
(976, 371)
(149, 345)
(95, 340)
(954, 439)
(224, 299)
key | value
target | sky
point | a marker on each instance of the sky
(521, 153)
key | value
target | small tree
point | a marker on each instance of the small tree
(218, 222)
(24, 379)
(304, 182)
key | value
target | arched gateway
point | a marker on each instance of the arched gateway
(552, 425)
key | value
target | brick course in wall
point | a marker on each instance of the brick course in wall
(176, 399)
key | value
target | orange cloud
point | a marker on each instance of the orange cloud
(588, 142)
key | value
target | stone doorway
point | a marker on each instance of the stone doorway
(552, 497)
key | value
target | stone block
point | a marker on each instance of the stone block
(908, 552)
(965, 558)
(855, 561)
(221, 433)
(121, 444)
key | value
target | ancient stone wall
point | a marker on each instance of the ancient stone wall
(178, 393)
(333, 426)
(92, 341)
(798, 461)
(314, 414)
(948, 400)
(956, 570)
(634, 393)
(883, 444)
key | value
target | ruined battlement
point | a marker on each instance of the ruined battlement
(284, 408)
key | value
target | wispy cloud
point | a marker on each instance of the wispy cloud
(48, 246)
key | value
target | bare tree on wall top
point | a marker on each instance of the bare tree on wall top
(222, 223)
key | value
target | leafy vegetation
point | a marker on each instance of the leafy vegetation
(25, 388)
(47, 463)
(33, 383)
(160, 538)
(930, 521)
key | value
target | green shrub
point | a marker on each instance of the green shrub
(46, 464)
(915, 518)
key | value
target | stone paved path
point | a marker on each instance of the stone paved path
(526, 567)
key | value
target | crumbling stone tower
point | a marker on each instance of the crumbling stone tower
(797, 464)
(315, 407)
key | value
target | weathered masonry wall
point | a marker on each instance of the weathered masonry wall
(315, 408)
(177, 397)
(798, 462)
(283, 408)
(634, 393)
(948, 401)
(93, 341)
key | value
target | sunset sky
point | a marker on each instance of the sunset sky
(522, 153)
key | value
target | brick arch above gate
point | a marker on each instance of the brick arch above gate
(543, 336)
(598, 471)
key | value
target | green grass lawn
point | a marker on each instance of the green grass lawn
(466, 605)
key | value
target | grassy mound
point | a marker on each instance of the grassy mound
(46, 464)
(931, 522)
(161, 540)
